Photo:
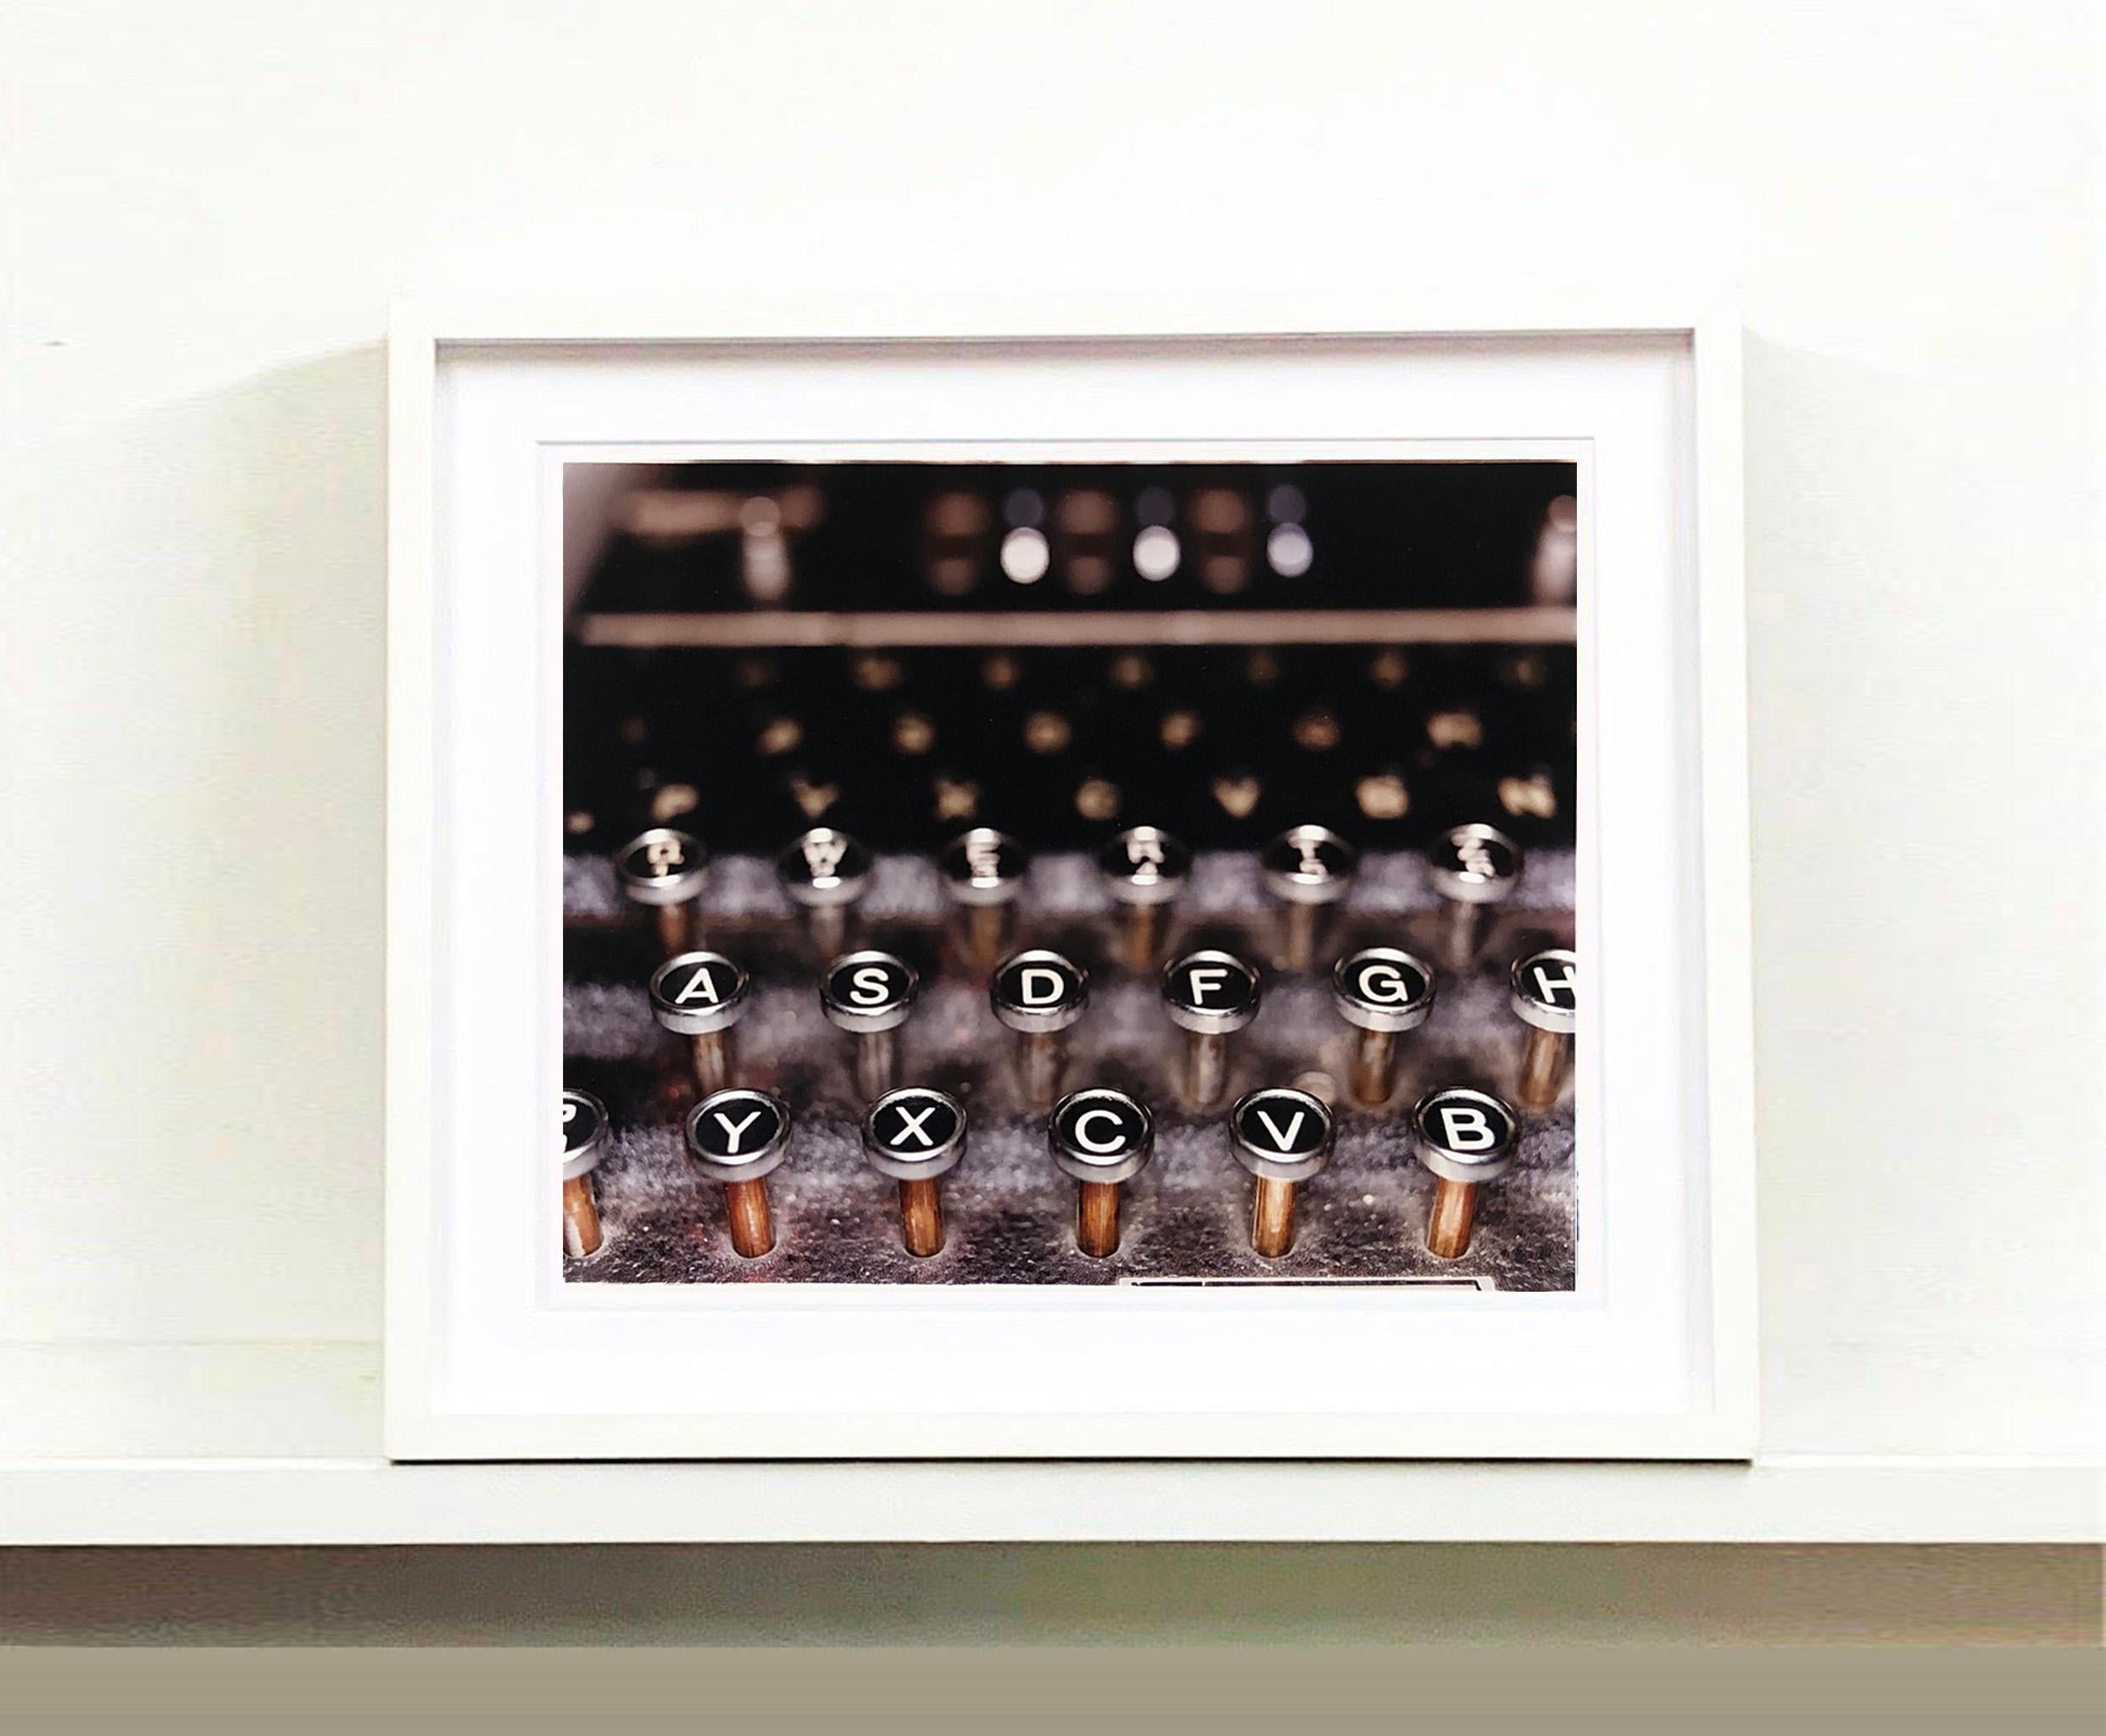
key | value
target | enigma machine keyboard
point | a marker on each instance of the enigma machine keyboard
(1072, 874)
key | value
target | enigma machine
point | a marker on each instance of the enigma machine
(1072, 874)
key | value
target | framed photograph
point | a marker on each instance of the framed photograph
(1068, 882)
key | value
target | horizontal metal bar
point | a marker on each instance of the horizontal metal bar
(1315, 626)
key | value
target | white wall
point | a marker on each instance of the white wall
(211, 204)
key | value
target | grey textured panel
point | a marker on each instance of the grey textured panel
(1009, 1210)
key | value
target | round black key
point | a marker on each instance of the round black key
(1039, 991)
(662, 866)
(739, 1135)
(1100, 1135)
(1281, 1134)
(983, 867)
(1383, 988)
(1211, 992)
(1143, 864)
(585, 1134)
(914, 1134)
(695, 993)
(1474, 864)
(1544, 990)
(1309, 864)
(868, 992)
(1463, 1135)
(823, 867)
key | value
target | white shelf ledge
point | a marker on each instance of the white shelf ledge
(370, 1501)
(277, 1444)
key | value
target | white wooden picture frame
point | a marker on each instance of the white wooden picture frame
(488, 1356)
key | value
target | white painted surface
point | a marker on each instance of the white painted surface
(208, 208)
(348, 1501)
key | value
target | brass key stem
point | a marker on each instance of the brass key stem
(922, 1217)
(1273, 1217)
(1205, 1078)
(1097, 1218)
(827, 925)
(1543, 1067)
(752, 1229)
(1143, 935)
(679, 927)
(1461, 934)
(713, 1061)
(1040, 1057)
(987, 927)
(581, 1218)
(1373, 1076)
(1298, 949)
(1454, 1214)
(877, 1063)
